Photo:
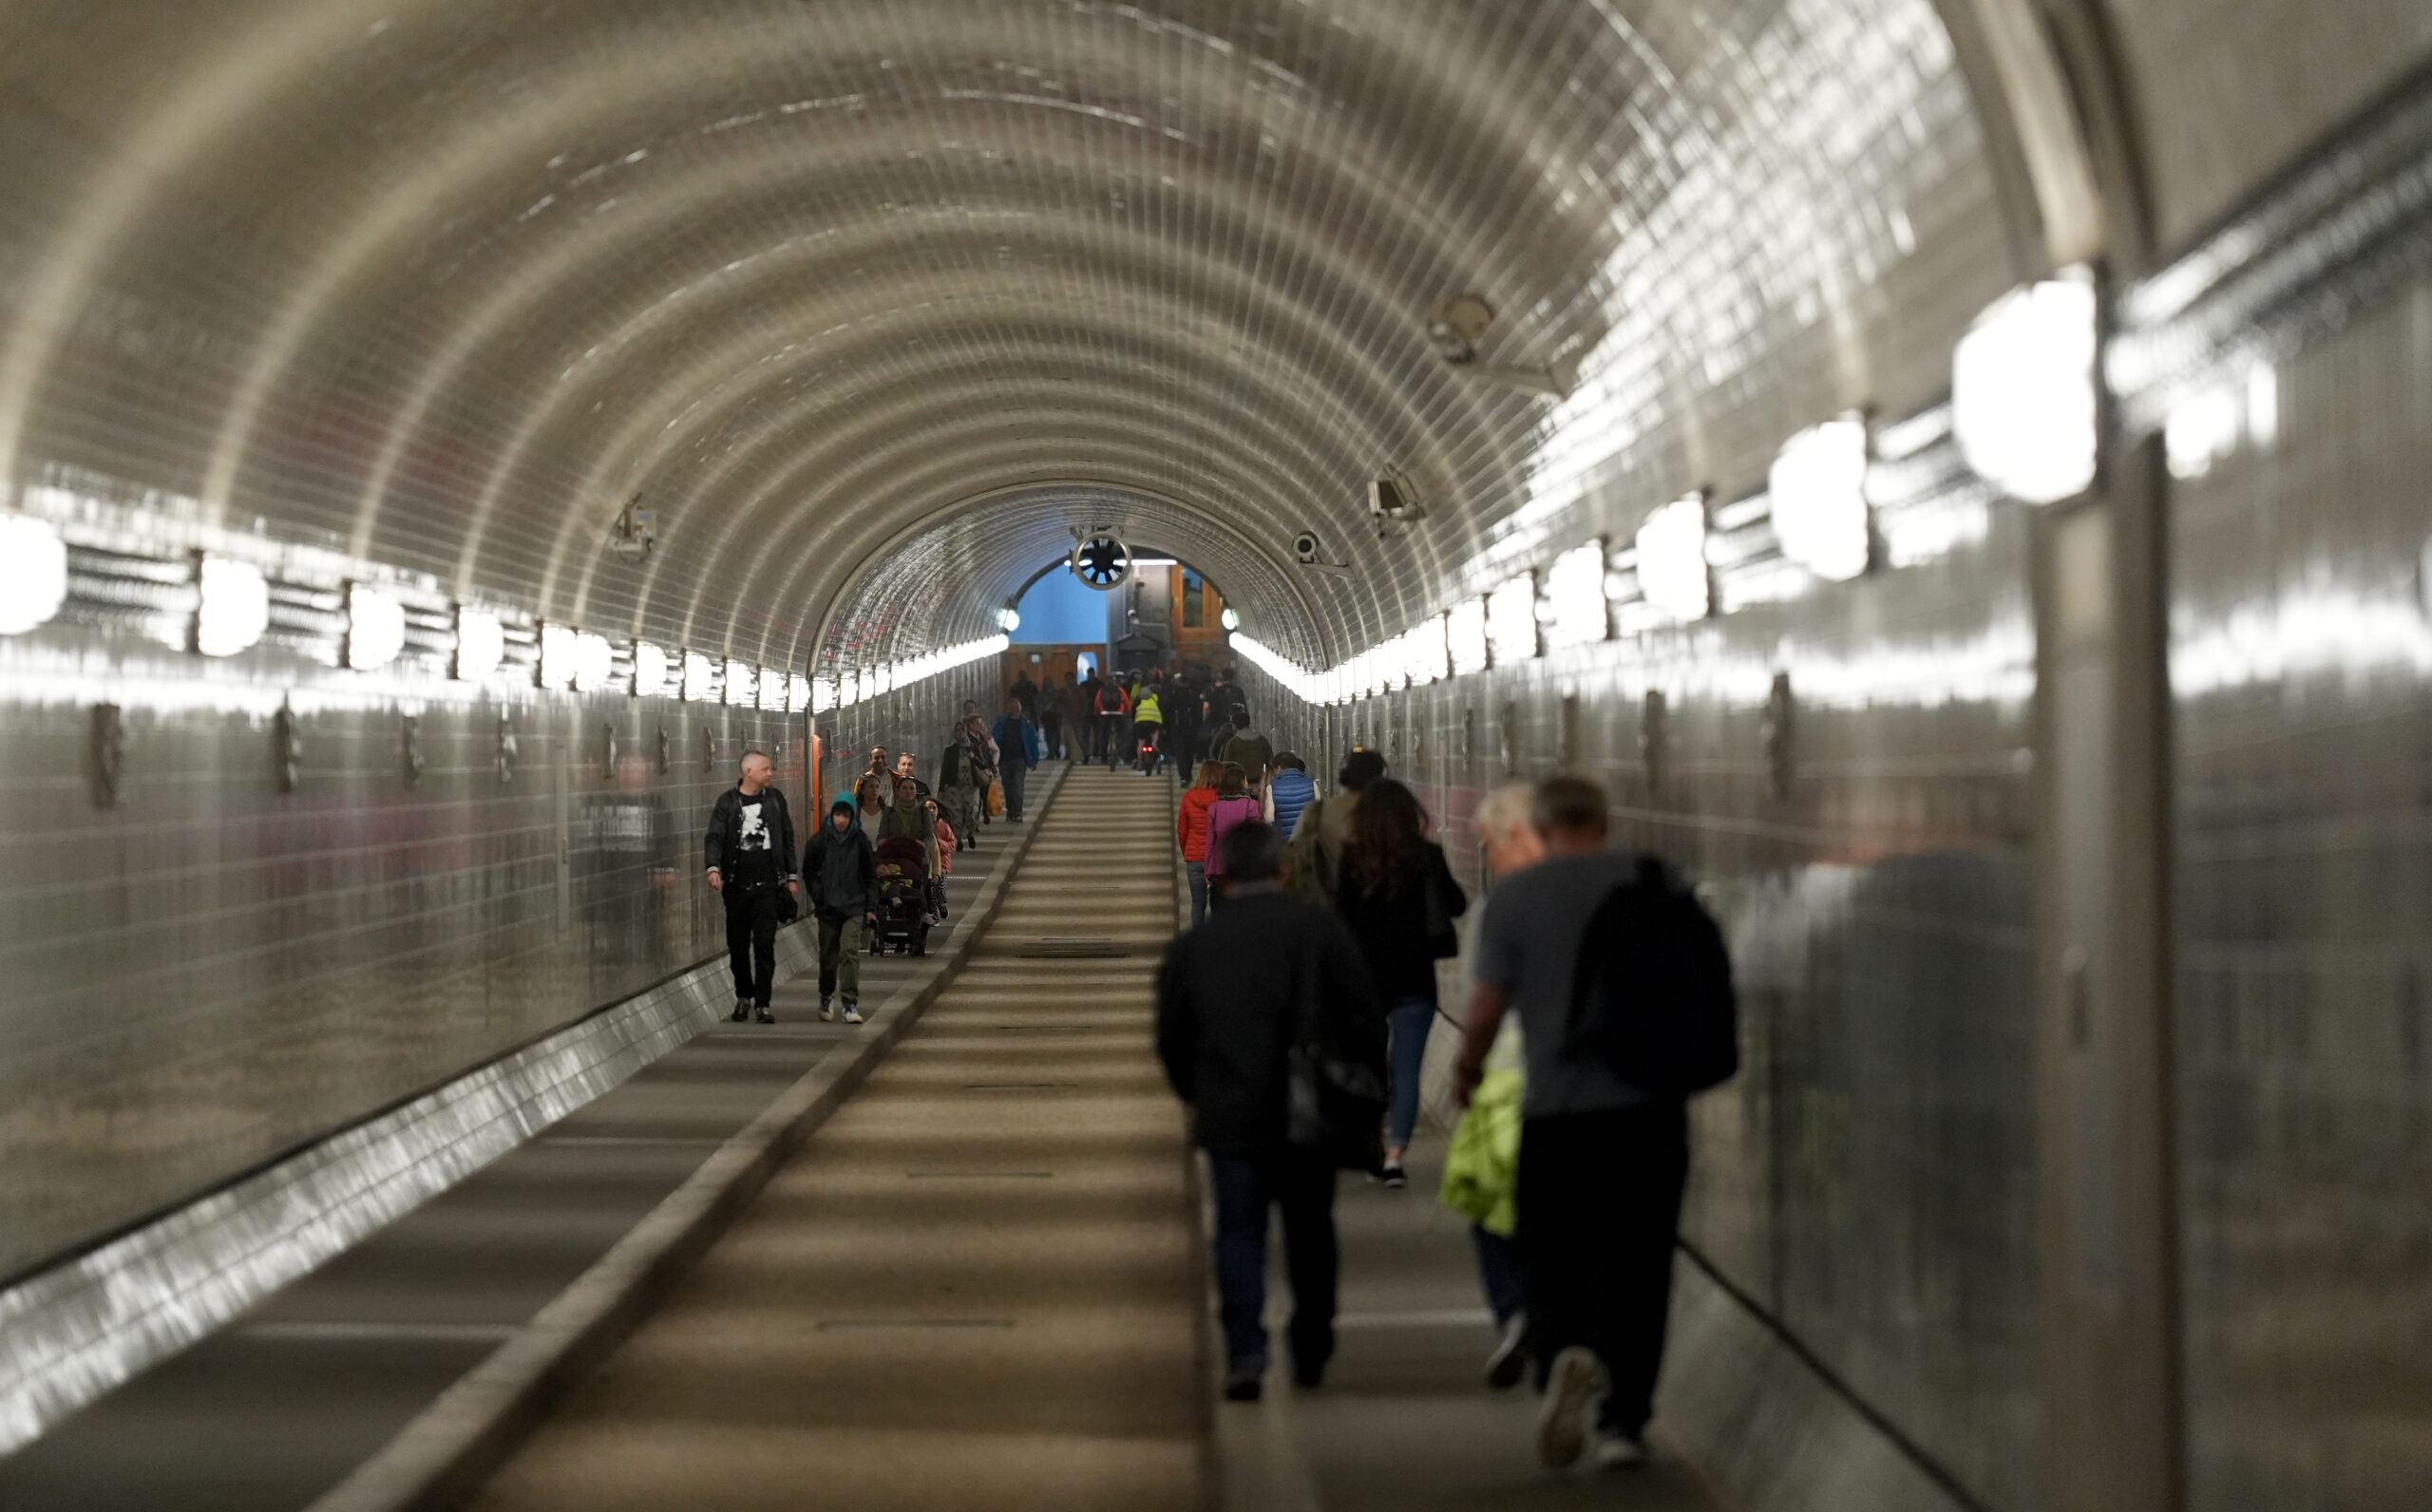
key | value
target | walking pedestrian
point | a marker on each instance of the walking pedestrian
(1288, 790)
(1016, 735)
(1266, 984)
(907, 768)
(1191, 833)
(1601, 1161)
(1054, 705)
(1024, 692)
(1233, 808)
(1324, 828)
(1482, 1167)
(961, 771)
(1249, 751)
(841, 866)
(1399, 898)
(749, 854)
(1114, 720)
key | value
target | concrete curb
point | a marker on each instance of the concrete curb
(444, 1456)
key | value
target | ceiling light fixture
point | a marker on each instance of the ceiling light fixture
(1511, 621)
(1818, 487)
(2022, 396)
(650, 669)
(34, 573)
(235, 609)
(481, 644)
(376, 627)
(1672, 558)
(1575, 596)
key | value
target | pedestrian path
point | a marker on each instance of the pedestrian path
(274, 1410)
(1405, 1422)
(978, 1287)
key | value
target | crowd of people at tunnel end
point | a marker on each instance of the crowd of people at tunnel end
(1293, 1020)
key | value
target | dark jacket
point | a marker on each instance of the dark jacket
(841, 871)
(727, 844)
(1396, 929)
(1227, 1007)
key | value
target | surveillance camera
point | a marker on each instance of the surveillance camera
(1305, 546)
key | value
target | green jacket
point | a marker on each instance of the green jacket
(1482, 1168)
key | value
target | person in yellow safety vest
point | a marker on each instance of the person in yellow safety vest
(1148, 727)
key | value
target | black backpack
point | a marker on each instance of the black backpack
(1651, 993)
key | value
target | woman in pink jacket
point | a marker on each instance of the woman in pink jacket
(1233, 806)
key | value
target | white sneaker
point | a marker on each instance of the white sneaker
(1619, 1452)
(826, 1011)
(1574, 1386)
(854, 1013)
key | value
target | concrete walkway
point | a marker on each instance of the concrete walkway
(1405, 1422)
(977, 1289)
(273, 1411)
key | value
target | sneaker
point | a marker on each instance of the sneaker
(1619, 1452)
(762, 1015)
(1242, 1383)
(1573, 1389)
(854, 1013)
(742, 1010)
(1509, 1360)
(826, 1010)
(1392, 1175)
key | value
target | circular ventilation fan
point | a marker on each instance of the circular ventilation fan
(1102, 561)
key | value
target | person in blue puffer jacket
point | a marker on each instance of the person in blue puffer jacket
(1288, 792)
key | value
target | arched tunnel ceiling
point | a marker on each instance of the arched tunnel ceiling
(864, 301)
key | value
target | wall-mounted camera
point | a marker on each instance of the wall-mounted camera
(631, 534)
(1310, 552)
(1392, 500)
(1458, 326)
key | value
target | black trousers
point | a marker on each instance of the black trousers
(1600, 1210)
(1245, 1187)
(752, 942)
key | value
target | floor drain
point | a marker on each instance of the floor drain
(1070, 950)
(930, 1324)
(979, 1176)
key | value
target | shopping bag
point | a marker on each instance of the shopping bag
(995, 801)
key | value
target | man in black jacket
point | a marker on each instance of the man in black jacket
(1229, 1011)
(749, 852)
(841, 867)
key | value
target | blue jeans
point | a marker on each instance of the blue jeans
(1302, 1185)
(1410, 1019)
(1197, 871)
(1500, 1273)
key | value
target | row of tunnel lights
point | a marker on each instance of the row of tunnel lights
(233, 613)
(2025, 411)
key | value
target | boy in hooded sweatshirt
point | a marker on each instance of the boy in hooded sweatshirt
(841, 867)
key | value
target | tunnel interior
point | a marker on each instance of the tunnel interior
(438, 438)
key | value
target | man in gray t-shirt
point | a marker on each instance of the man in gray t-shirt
(1602, 1162)
(1527, 947)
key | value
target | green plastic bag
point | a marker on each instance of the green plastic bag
(1482, 1168)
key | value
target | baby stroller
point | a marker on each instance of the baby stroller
(902, 897)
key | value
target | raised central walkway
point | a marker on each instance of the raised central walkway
(978, 1287)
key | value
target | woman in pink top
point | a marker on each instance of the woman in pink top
(1234, 806)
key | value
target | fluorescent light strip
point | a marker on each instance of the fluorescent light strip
(868, 683)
